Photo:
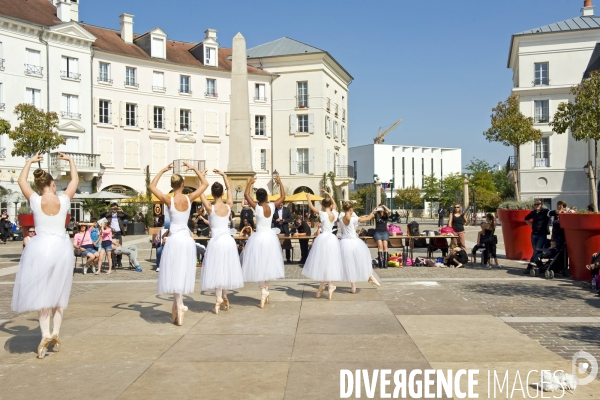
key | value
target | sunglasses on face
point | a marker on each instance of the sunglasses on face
(537, 204)
(31, 231)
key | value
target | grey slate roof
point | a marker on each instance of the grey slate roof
(281, 47)
(572, 24)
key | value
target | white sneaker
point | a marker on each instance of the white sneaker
(85, 268)
(157, 269)
(459, 266)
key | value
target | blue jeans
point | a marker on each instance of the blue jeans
(158, 255)
(537, 242)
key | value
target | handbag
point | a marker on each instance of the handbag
(447, 230)
(78, 252)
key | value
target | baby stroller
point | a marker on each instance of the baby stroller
(551, 261)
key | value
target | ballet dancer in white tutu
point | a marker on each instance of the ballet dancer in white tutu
(356, 257)
(221, 269)
(262, 259)
(324, 262)
(177, 269)
(45, 274)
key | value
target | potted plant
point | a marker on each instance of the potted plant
(582, 233)
(25, 216)
(516, 233)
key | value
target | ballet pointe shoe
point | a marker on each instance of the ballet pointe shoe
(43, 347)
(225, 303)
(218, 305)
(264, 298)
(55, 344)
(320, 290)
(352, 288)
(373, 281)
(174, 313)
(180, 312)
(331, 289)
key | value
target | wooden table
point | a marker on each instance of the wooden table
(397, 241)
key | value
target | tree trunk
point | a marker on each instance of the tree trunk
(516, 174)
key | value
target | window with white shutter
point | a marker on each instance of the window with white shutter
(293, 124)
(186, 151)
(132, 153)
(185, 120)
(32, 65)
(33, 97)
(159, 155)
(158, 81)
(259, 92)
(106, 151)
(104, 112)
(158, 48)
(211, 123)
(210, 56)
(212, 157)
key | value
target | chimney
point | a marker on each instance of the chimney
(126, 27)
(75, 10)
(588, 9)
(63, 11)
(211, 34)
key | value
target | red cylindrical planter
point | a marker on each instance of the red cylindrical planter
(516, 234)
(26, 220)
(582, 232)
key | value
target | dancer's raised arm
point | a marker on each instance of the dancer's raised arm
(310, 204)
(163, 197)
(367, 217)
(72, 186)
(203, 182)
(23, 184)
(333, 205)
(247, 196)
(281, 198)
(229, 201)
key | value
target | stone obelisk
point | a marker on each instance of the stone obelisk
(239, 168)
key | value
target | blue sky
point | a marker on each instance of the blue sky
(438, 65)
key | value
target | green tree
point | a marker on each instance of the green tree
(482, 184)
(511, 128)
(582, 116)
(452, 186)
(431, 189)
(4, 127)
(36, 132)
(409, 197)
(504, 187)
(361, 197)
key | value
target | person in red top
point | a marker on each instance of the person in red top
(106, 234)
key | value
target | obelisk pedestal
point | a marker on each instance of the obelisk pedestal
(239, 169)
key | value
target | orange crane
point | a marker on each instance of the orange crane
(380, 136)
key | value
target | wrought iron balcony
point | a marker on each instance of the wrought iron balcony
(335, 110)
(159, 88)
(344, 171)
(343, 114)
(2, 152)
(260, 99)
(68, 114)
(510, 164)
(184, 128)
(103, 79)
(70, 75)
(132, 83)
(34, 70)
(88, 165)
(542, 162)
(2, 106)
(1, 64)
(541, 119)
(213, 95)
(179, 168)
(185, 91)
(328, 104)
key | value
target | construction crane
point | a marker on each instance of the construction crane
(380, 136)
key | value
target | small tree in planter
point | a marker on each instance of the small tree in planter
(36, 132)
(515, 231)
(511, 128)
(583, 118)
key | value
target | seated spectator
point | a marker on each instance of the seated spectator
(573, 210)
(83, 241)
(17, 233)
(30, 234)
(159, 241)
(129, 250)
(547, 254)
(456, 258)
(247, 214)
(590, 208)
(246, 228)
(71, 227)
(232, 220)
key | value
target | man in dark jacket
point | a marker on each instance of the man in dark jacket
(538, 220)
(281, 219)
(302, 229)
(246, 213)
(115, 216)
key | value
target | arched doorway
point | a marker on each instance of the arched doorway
(303, 189)
(119, 189)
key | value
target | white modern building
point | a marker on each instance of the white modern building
(45, 60)
(546, 62)
(310, 114)
(406, 165)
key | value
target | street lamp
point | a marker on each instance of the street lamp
(377, 189)
(391, 193)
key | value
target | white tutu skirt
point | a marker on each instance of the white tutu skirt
(45, 274)
(324, 262)
(262, 257)
(178, 265)
(356, 260)
(221, 267)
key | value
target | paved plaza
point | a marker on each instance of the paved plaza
(118, 341)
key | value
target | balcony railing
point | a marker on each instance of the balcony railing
(302, 167)
(105, 120)
(260, 99)
(335, 110)
(185, 91)
(34, 70)
(328, 104)
(343, 114)
(103, 79)
(2, 106)
(1, 64)
(2, 152)
(344, 171)
(184, 128)
(179, 168)
(302, 102)
(70, 75)
(510, 164)
(215, 95)
(542, 162)
(132, 83)
(68, 114)
(542, 119)
(159, 88)
(82, 160)
(541, 82)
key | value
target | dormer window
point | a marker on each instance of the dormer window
(158, 48)
(210, 56)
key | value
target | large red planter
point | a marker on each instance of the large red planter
(516, 234)
(26, 220)
(582, 232)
